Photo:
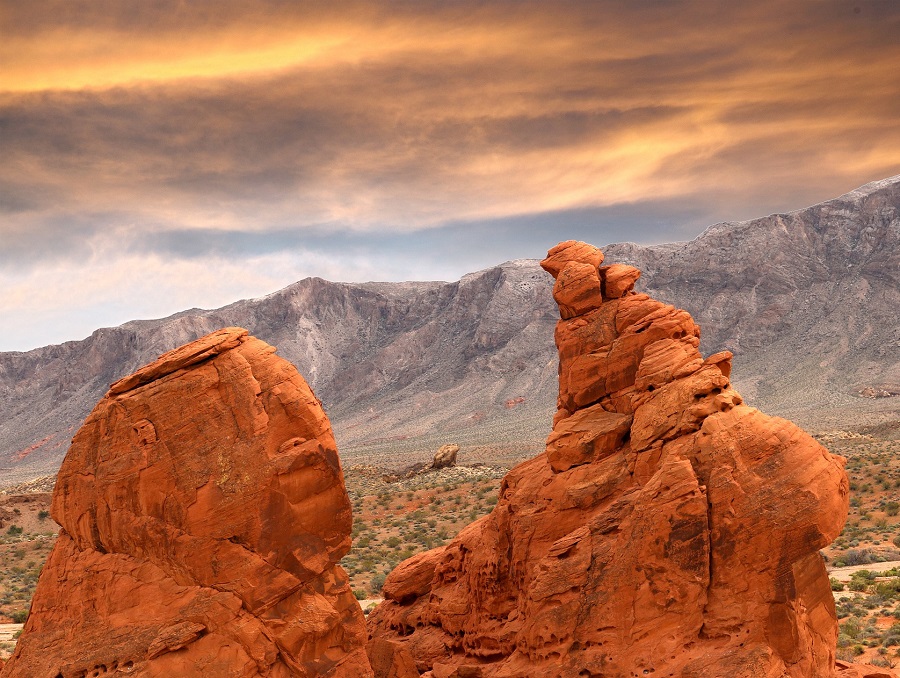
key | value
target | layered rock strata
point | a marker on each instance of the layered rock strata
(203, 513)
(667, 530)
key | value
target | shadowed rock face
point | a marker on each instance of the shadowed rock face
(204, 512)
(667, 530)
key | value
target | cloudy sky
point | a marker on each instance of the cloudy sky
(160, 155)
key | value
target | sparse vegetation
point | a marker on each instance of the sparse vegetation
(25, 543)
(869, 607)
(393, 521)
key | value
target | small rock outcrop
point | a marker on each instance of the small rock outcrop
(668, 529)
(445, 456)
(203, 513)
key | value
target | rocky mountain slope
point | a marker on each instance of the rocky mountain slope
(807, 302)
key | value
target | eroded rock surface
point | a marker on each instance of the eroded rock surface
(667, 530)
(204, 512)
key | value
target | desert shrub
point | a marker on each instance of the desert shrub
(836, 585)
(359, 594)
(14, 530)
(19, 616)
(857, 556)
(377, 582)
(858, 585)
(889, 589)
(850, 628)
(873, 601)
(845, 653)
(44, 514)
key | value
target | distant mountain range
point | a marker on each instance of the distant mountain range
(808, 302)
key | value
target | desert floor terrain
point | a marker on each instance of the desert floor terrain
(394, 520)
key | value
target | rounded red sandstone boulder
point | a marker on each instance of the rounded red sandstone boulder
(203, 513)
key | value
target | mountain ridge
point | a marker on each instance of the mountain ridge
(805, 299)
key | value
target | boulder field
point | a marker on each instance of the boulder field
(667, 530)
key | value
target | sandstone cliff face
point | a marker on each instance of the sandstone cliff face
(667, 530)
(203, 513)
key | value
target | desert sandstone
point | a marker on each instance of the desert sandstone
(667, 529)
(203, 513)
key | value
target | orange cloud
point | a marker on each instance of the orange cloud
(221, 114)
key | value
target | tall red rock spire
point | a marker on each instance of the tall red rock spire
(667, 530)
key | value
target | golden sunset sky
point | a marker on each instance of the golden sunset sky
(158, 155)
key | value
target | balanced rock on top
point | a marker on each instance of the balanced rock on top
(203, 513)
(668, 529)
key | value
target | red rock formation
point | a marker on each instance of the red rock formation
(204, 512)
(391, 659)
(848, 670)
(667, 530)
